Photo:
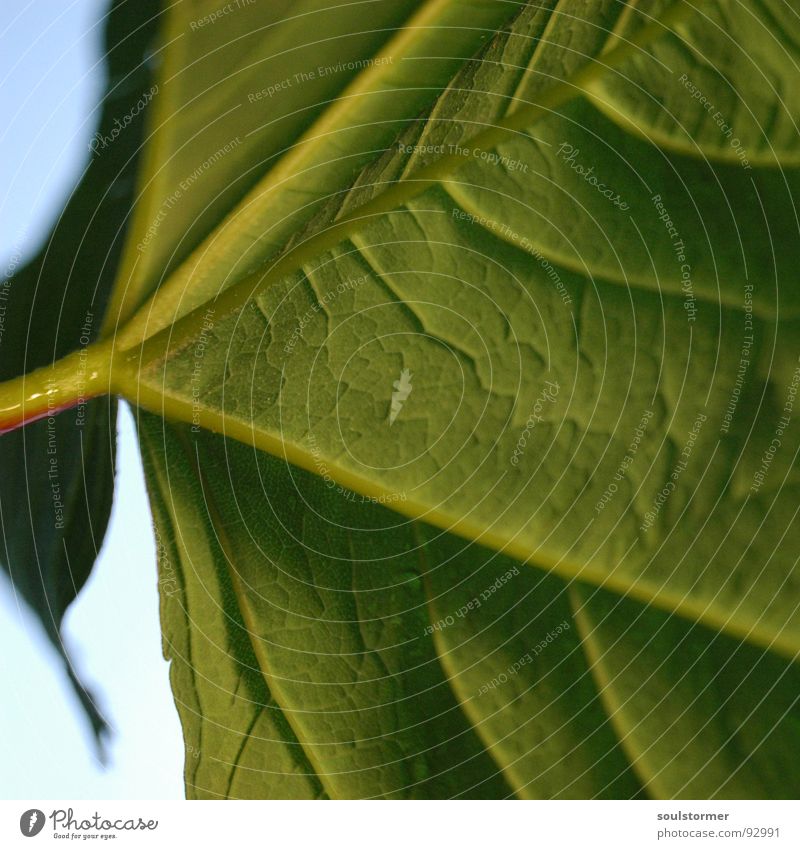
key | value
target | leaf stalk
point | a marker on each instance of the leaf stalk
(49, 390)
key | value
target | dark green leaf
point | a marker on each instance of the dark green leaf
(57, 476)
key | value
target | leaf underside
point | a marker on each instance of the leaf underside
(426, 586)
(57, 479)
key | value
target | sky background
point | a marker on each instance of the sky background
(51, 80)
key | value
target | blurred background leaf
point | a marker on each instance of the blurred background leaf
(57, 480)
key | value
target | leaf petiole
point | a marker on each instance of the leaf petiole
(48, 390)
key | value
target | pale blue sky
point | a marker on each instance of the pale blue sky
(51, 81)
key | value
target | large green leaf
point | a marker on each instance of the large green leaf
(57, 476)
(474, 335)
(254, 103)
(442, 286)
(356, 703)
(573, 349)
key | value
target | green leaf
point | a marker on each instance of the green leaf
(57, 476)
(238, 742)
(572, 299)
(532, 380)
(252, 102)
(698, 713)
(476, 363)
